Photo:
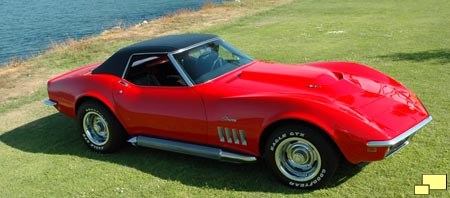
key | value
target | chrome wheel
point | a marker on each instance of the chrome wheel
(298, 159)
(96, 128)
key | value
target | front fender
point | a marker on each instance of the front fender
(349, 130)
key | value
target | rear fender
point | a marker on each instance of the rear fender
(97, 87)
(94, 96)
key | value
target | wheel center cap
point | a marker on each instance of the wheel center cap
(299, 158)
(97, 127)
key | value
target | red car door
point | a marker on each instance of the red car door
(171, 112)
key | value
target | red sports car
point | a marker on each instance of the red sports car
(196, 94)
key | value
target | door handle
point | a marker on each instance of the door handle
(123, 83)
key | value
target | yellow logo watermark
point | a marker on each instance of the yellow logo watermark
(431, 182)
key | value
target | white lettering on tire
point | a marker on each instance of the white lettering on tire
(310, 183)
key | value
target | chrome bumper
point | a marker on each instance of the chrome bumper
(400, 141)
(50, 102)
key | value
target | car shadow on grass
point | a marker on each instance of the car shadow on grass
(441, 56)
(57, 134)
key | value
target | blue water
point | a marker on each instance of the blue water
(29, 26)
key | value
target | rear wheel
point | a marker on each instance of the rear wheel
(300, 156)
(99, 128)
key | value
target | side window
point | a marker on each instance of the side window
(153, 70)
(228, 57)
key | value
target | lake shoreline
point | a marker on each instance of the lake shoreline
(25, 81)
(46, 22)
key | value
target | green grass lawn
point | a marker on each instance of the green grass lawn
(42, 155)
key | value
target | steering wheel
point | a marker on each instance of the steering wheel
(217, 64)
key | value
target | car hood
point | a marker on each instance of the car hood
(370, 93)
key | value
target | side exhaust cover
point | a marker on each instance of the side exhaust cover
(190, 149)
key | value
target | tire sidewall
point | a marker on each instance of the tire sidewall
(91, 144)
(328, 155)
(115, 134)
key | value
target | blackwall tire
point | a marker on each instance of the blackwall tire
(99, 128)
(301, 156)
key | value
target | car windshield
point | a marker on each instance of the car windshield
(210, 60)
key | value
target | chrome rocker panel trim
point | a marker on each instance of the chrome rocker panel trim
(190, 149)
(50, 102)
(401, 137)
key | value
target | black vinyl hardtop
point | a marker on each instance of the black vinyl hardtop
(116, 64)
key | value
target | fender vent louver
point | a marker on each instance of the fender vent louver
(232, 136)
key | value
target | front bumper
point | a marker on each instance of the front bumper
(400, 141)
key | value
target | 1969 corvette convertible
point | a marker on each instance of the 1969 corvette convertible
(196, 94)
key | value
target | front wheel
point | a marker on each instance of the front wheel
(99, 128)
(300, 156)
